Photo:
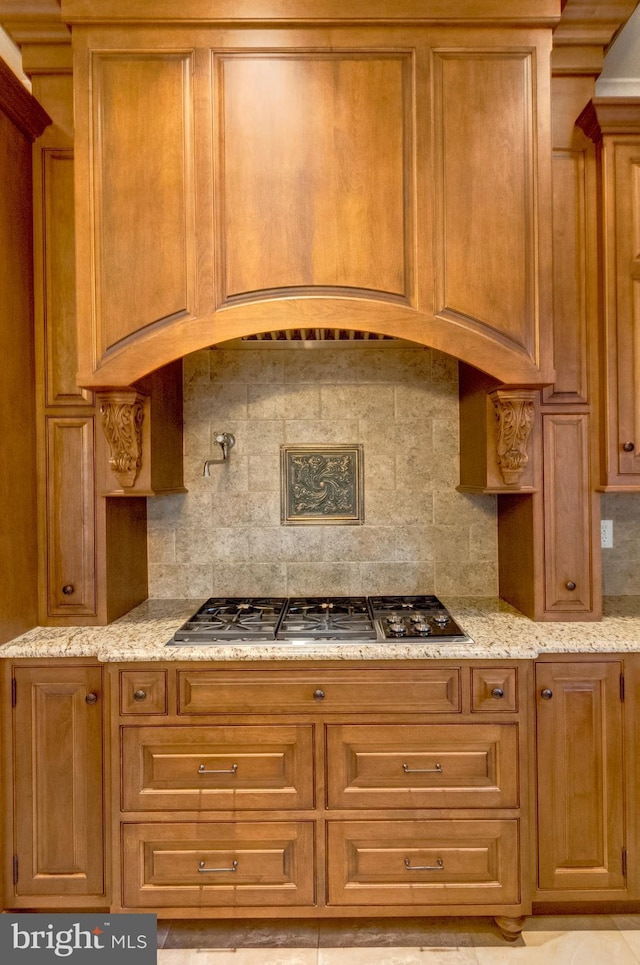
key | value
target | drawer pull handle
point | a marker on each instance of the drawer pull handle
(229, 770)
(437, 769)
(438, 866)
(214, 871)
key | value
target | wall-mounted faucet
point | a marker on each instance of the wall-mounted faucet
(226, 441)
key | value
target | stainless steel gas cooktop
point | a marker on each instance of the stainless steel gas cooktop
(328, 620)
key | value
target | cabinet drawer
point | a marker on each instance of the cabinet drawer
(143, 692)
(428, 765)
(338, 691)
(218, 864)
(223, 768)
(494, 689)
(423, 862)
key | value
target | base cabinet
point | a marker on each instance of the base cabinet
(326, 790)
(581, 780)
(54, 813)
(234, 791)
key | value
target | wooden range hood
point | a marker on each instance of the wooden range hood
(255, 166)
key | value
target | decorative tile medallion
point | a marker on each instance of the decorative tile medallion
(322, 485)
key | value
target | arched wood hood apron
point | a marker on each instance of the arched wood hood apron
(256, 166)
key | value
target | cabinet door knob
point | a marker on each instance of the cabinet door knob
(91, 698)
(570, 585)
(318, 694)
(139, 694)
(497, 693)
(546, 694)
(68, 589)
(628, 446)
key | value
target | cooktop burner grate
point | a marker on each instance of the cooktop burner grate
(232, 618)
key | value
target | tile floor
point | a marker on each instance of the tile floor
(588, 940)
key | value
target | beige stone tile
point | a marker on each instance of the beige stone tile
(424, 400)
(230, 475)
(326, 432)
(247, 365)
(414, 470)
(196, 367)
(214, 400)
(562, 948)
(379, 471)
(286, 544)
(276, 402)
(357, 543)
(324, 579)
(371, 402)
(404, 578)
(393, 509)
(253, 438)
(444, 368)
(249, 579)
(466, 579)
(213, 544)
(264, 472)
(238, 956)
(397, 956)
(453, 507)
(180, 581)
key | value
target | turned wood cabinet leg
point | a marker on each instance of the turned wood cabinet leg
(510, 928)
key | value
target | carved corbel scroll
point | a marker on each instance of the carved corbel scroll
(515, 412)
(121, 413)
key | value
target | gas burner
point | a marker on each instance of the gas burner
(328, 606)
(232, 619)
(327, 618)
(416, 617)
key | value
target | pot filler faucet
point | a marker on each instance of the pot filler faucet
(226, 442)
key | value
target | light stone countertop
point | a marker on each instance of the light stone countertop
(498, 631)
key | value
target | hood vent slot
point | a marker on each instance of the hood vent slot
(318, 335)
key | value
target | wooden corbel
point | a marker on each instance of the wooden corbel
(121, 414)
(515, 412)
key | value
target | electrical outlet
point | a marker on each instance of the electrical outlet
(606, 533)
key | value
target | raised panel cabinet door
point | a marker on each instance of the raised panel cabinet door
(623, 172)
(58, 800)
(580, 777)
(614, 125)
(568, 523)
(70, 517)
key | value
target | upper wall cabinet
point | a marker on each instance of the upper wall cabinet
(614, 124)
(366, 165)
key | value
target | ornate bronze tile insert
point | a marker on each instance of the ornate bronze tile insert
(322, 484)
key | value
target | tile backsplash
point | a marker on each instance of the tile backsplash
(401, 403)
(621, 563)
